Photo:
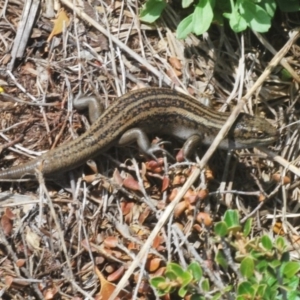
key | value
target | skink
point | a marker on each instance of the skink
(150, 110)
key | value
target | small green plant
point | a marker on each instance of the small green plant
(266, 271)
(176, 278)
(262, 265)
(255, 14)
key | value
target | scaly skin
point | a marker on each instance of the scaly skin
(153, 110)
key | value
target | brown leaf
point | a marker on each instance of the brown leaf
(197, 227)
(173, 194)
(278, 228)
(126, 207)
(190, 196)
(175, 63)
(158, 240)
(165, 183)
(20, 263)
(8, 281)
(209, 175)
(111, 242)
(180, 208)
(59, 24)
(153, 264)
(144, 215)
(6, 225)
(202, 194)
(204, 218)
(107, 288)
(159, 272)
(180, 157)
(130, 183)
(261, 197)
(155, 166)
(279, 179)
(179, 180)
(174, 74)
(9, 213)
(117, 274)
(50, 293)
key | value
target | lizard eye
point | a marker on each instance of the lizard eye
(260, 134)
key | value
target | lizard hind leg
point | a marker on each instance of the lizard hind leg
(92, 104)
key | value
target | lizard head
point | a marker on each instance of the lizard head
(249, 131)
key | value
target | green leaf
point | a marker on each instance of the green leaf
(247, 267)
(196, 271)
(185, 27)
(205, 285)
(261, 291)
(221, 229)
(186, 278)
(155, 281)
(202, 16)
(292, 283)
(256, 17)
(221, 259)
(268, 6)
(262, 266)
(289, 6)
(182, 291)
(217, 296)
(266, 242)
(293, 295)
(236, 21)
(174, 271)
(245, 288)
(291, 268)
(275, 263)
(186, 3)
(285, 75)
(162, 286)
(152, 10)
(280, 244)
(247, 227)
(232, 220)
(197, 297)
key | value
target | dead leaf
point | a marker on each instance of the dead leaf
(20, 262)
(111, 242)
(175, 63)
(279, 179)
(6, 225)
(180, 208)
(130, 183)
(9, 213)
(153, 264)
(8, 281)
(204, 218)
(32, 239)
(107, 288)
(59, 24)
(144, 215)
(278, 228)
(126, 207)
(165, 183)
(116, 275)
(180, 157)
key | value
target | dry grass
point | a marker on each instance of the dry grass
(56, 236)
